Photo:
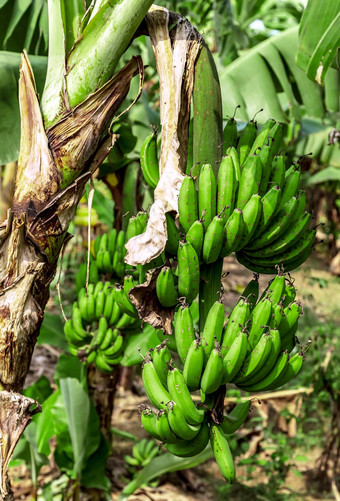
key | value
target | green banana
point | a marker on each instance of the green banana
(166, 291)
(178, 424)
(226, 188)
(271, 360)
(250, 180)
(184, 331)
(213, 372)
(173, 235)
(275, 290)
(278, 170)
(163, 428)
(288, 341)
(232, 152)
(187, 203)
(222, 453)
(213, 328)
(235, 419)
(291, 187)
(236, 322)
(270, 379)
(188, 271)
(149, 422)
(291, 370)
(213, 240)
(233, 360)
(189, 448)
(297, 253)
(276, 133)
(266, 156)
(229, 133)
(260, 318)
(161, 358)
(246, 140)
(181, 396)
(290, 316)
(270, 203)
(262, 135)
(233, 232)
(101, 331)
(206, 195)
(278, 225)
(149, 159)
(289, 293)
(251, 217)
(289, 237)
(195, 236)
(124, 302)
(255, 360)
(153, 386)
(193, 365)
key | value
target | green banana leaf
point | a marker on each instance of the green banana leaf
(24, 23)
(163, 464)
(319, 38)
(9, 104)
(267, 77)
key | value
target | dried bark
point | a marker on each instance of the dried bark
(53, 168)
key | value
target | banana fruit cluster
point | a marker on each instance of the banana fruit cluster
(255, 348)
(183, 427)
(255, 206)
(109, 252)
(98, 319)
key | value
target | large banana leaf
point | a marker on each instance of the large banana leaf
(9, 104)
(24, 24)
(267, 77)
(319, 38)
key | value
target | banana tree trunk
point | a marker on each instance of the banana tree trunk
(53, 168)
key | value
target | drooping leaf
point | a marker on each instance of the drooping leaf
(52, 332)
(325, 175)
(69, 367)
(46, 424)
(142, 341)
(40, 390)
(319, 38)
(267, 77)
(163, 464)
(77, 408)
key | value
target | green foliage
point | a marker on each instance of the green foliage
(319, 38)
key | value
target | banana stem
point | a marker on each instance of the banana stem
(210, 286)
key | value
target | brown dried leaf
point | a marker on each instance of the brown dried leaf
(144, 297)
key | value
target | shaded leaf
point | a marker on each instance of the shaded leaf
(52, 332)
(163, 464)
(69, 367)
(319, 38)
(328, 174)
(144, 340)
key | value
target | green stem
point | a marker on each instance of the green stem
(210, 287)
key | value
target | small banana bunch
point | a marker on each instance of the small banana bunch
(255, 207)
(98, 317)
(109, 251)
(81, 217)
(142, 453)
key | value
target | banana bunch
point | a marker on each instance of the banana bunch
(109, 252)
(254, 208)
(98, 316)
(81, 217)
(142, 453)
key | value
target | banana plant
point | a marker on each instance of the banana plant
(64, 138)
